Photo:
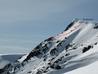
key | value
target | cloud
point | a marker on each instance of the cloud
(39, 19)
(24, 10)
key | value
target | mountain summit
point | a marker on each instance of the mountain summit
(74, 48)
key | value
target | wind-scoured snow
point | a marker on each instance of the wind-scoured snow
(72, 50)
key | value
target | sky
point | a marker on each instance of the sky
(25, 23)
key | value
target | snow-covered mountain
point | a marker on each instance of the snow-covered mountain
(74, 48)
(8, 58)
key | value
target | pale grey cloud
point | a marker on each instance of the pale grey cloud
(24, 10)
(25, 23)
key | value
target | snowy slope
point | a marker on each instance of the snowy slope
(74, 48)
(90, 69)
(89, 65)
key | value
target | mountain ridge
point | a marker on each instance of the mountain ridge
(57, 53)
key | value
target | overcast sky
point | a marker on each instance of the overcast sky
(25, 23)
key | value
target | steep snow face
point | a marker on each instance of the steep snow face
(74, 48)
